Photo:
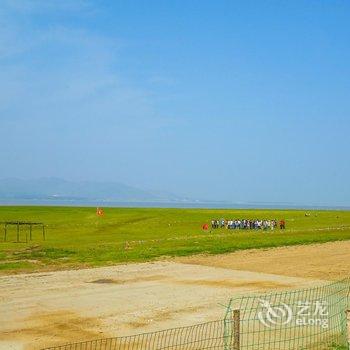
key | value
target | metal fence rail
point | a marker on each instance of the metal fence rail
(313, 319)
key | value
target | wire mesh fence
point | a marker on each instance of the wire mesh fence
(210, 335)
(313, 318)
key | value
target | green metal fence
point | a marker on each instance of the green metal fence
(313, 318)
(210, 335)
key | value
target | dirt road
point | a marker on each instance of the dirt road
(44, 309)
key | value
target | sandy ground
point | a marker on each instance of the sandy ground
(327, 261)
(44, 309)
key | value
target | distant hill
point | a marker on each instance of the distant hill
(54, 188)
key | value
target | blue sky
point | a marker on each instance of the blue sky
(245, 101)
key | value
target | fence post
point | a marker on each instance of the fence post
(348, 327)
(236, 330)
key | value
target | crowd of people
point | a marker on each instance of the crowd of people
(248, 224)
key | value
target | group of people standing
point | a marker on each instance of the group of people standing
(248, 224)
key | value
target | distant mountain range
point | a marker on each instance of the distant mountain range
(59, 189)
(55, 191)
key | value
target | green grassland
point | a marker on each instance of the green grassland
(76, 237)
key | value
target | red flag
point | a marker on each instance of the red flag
(100, 212)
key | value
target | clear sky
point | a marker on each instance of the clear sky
(229, 100)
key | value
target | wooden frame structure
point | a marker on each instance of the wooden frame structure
(18, 224)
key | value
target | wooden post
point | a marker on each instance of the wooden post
(43, 232)
(348, 326)
(30, 232)
(17, 232)
(236, 330)
(5, 232)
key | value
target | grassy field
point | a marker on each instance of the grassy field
(77, 237)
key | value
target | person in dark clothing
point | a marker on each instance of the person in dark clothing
(282, 224)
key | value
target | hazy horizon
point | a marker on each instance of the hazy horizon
(239, 101)
(116, 194)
